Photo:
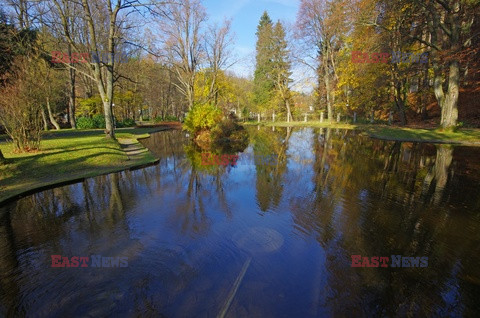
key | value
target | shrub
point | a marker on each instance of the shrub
(202, 117)
(99, 121)
(128, 122)
(171, 118)
(167, 118)
(85, 123)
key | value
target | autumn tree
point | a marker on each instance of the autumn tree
(182, 38)
(447, 25)
(218, 41)
(320, 25)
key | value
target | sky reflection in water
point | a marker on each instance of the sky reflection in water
(189, 231)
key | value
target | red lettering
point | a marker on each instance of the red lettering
(365, 262)
(374, 261)
(66, 58)
(56, 57)
(85, 57)
(234, 159)
(55, 260)
(75, 57)
(65, 262)
(356, 261)
(384, 261)
(74, 261)
(375, 57)
(356, 57)
(205, 156)
(84, 259)
(225, 160)
(366, 58)
(384, 57)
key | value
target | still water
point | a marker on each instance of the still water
(255, 240)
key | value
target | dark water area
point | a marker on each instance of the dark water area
(255, 240)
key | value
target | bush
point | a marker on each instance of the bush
(97, 121)
(202, 117)
(167, 118)
(128, 122)
(85, 123)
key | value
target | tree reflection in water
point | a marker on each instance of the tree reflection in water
(175, 221)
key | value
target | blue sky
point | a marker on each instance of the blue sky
(245, 15)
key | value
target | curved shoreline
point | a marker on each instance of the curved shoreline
(390, 133)
(141, 162)
(62, 183)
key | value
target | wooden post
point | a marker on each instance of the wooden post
(372, 118)
(321, 117)
(354, 117)
(390, 118)
(305, 119)
(338, 117)
(258, 117)
(273, 116)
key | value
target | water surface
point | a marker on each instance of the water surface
(255, 240)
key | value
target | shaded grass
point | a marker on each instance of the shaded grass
(469, 137)
(68, 155)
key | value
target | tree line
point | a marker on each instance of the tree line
(328, 34)
(174, 60)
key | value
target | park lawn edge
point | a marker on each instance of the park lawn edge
(465, 137)
(146, 159)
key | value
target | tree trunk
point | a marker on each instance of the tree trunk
(289, 113)
(50, 116)
(449, 107)
(2, 158)
(326, 78)
(44, 119)
(71, 99)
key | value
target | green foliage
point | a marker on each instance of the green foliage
(97, 121)
(202, 117)
(89, 106)
(128, 122)
(85, 123)
(167, 118)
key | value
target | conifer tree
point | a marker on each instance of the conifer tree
(263, 82)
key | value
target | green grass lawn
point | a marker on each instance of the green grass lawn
(67, 155)
(470, 137)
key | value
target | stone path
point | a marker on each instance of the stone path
(132, 148)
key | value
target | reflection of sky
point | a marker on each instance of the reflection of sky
(182, 246)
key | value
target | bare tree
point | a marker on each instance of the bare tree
(217, 48)
(182, 39)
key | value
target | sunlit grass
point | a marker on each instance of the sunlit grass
(67, 155)
(461, 136)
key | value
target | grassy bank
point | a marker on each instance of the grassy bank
(469, 137)
(68, 155)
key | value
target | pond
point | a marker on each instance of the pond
(181, 239)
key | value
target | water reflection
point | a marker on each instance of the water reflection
(330, 195)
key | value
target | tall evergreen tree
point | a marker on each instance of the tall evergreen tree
(263, 81)
(281, 66)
